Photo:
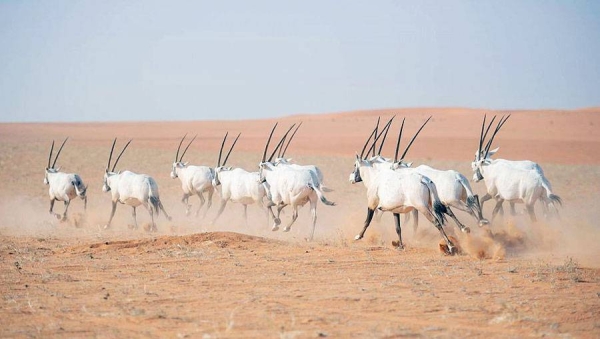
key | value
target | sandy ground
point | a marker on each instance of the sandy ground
(228, 279)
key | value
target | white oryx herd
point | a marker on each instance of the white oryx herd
(392, 184)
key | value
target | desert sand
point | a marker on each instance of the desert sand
(228, 279)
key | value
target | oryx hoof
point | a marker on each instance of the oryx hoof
(58, 216)
(107, 226)
(169, 218)
(466, 230)
(358, 237)
(275, 228)
(277, 221)
(483, 222)
(187, 213)
(131, 227)
(398, 245)
(286, 229)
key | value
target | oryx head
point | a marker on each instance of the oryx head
(221, 167)
(483, 154)
(110, 172)
(361, 159)
(179, 160)
(268, 164)
(50, 168)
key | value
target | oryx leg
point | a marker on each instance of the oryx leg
(246, 214)
(202, 201)
(134, 215)
(475, 209)
(370, 213)
(513, 212)
(415, 218)
(112, 214)
(85, 203)
(497, 208)
(221, 208)
(485, 198)
(64, 216)
(429, 215)
(313, 211)
(276, 220)
(209, 203)
(378, 215)
(185, 201)
(398, 231)
(294, 217)
(52, 207)
(531, 212)
(462, 227)
(150, 210)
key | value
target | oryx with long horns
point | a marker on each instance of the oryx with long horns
(397, 191)
(131, 189)
(237, 185)
(515, 182)
(281, 160)
(290, 186)
(453, 188)
(63, 186)
(195, 180)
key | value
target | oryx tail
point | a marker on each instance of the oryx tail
(551, 196)
(439, 209)
(320, 194)
(153, 199)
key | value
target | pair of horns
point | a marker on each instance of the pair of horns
(221, 150)
(57, 154)
(119, 157)
(280, 144)
(384, 132)
(484, 151)
(177, 158)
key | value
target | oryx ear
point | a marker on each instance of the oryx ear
(408, 164)
(58, 169)
(492, 152)
(119, 172)
(288, 159)
(357, 157)
(185, 163)
(487, 161)
(228, 168)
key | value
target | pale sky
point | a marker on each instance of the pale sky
(198, 60)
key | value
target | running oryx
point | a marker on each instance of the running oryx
(522, 182)
(63, 186)
(195, 180)
(237, 185)
(398, 191)
(132, 189)
(290, 186)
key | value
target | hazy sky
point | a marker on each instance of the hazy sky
(189, 60)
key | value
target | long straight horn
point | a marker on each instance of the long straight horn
(376, 131)
(385, 128)
(264, 157)
(58, 153)
(498, 127)
(366, 143)
(120, 154)
(231, 149)
(50, 156)
(481, 136)
(188, 146)
(111, 153)
(384, 136)
(221, 150)
(290, 141)
(413, 139)
(179, 147)
(398, 142)
(281, 142)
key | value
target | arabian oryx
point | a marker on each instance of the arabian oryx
(63, 186)
(195, 180)
(237, 185)
(452, 187)
(523, 182)
(281, 160)
(398, 191)
(132, 189)
(290, 186)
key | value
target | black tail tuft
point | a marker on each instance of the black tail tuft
(155, 205)
(555, 198)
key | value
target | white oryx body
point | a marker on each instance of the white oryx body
(311, 168)
(239, 186)
(292, 186)
(132, 189)
(195, 180)
(63, 186)
(398, 192)
(289, 184)
(512, 181)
